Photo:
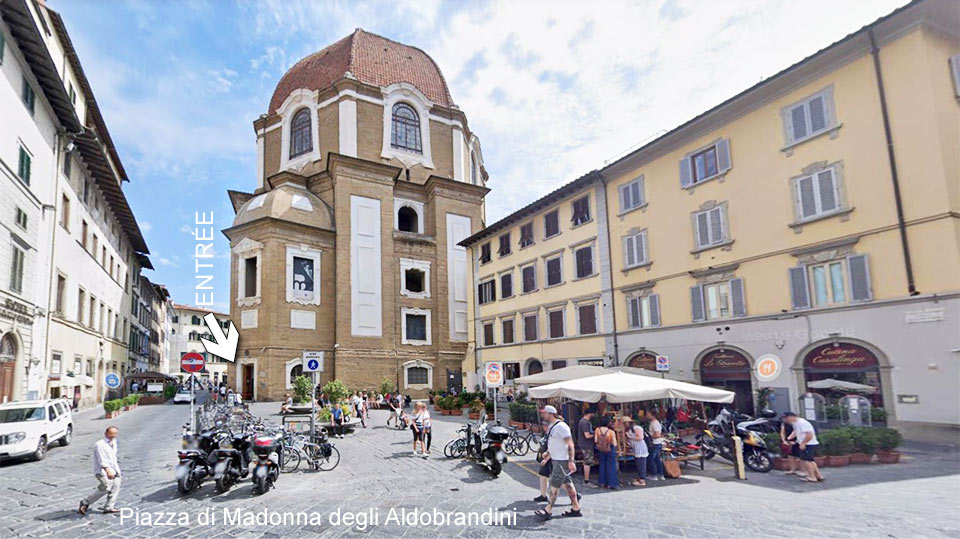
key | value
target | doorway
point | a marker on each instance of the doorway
(247, 390)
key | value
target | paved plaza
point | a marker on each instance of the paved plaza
(377, 473)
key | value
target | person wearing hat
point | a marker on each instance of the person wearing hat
(560, 450)
(635, 436)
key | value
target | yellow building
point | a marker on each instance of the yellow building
(813, 219)
(541, 284)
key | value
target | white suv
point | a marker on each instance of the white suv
(27, 428)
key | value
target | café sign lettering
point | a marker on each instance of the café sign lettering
(15, 310)
(724, 360)
(643, 361)
(840, 356)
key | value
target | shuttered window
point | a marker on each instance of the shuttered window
(584, 257)
(581, 211)
(529, 277)
(486, 292)
(830, 283)
(817, 194)
(28, 95)
(555, 321)
(587, 319)
(632, 195)
(811, 116)
(485, 255)
(526, 235)
(506, 331)
(635, 249)
(705, 163)
(24, 164)
(710, 227)
(716, 301)
(16, 270)
(488, 334)
(643, 312)
(554, 271)
(551, 224)
(530, 327)
(504, 249)
(506, 285)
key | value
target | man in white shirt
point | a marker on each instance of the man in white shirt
(655, 460)
(805, 437)
(106, 469)
(560, 449)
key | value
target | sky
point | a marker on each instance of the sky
(553, 89)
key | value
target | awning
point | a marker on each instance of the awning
(574, 372)
(841, 385)
(627, 387)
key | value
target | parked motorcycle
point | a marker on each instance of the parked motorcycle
(233, 459)
(485, 445)
(269, 455)
(717, 439)
(767, 422)
(197, 459)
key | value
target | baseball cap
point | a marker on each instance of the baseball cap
(788, 414)
(549, 409)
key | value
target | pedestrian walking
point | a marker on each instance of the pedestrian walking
(427, 427)
(546, 468)
(606, 442)
(638, 445)
(561, 451)
(106, 469)
(336, 420)
(791, 449)
(805, 437)
(655, 460)
(416, 425)
(394, 412)
(585, 445)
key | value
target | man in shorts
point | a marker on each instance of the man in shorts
(560, 450)
(806, 439)
(585, 445)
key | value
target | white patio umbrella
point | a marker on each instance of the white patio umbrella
(574, 372)
(842, 385)
(628, 387)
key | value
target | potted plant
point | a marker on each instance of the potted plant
(888, 440)
(302, 393)
(864, 445)
(488, 406)
(772, 439)
(837, 445)
(111, 408)
(476, 407)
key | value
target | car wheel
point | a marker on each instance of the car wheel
(41, 451)
(68, 437)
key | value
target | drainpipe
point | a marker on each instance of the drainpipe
(901, 223)
(613, 307)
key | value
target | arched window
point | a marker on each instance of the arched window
(301, 140)
(534, 367)
(407, 219)
(474, 169)
(8, 348)
(295, 372)
(406, 128)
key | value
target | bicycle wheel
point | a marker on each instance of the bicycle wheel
(459, 448)
(522, 447)
(533, 442)
(291, 460)
(510, 446)
(448, 449)
(329, 462)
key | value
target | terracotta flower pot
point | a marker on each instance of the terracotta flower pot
(820, 460)
(780, 463)
(474, 415)
(888, 457)
(838, 460)
(860, 458)
(458, 411)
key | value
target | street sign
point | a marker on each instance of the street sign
(312, 361)
(493, 374)
(768, 367)
(192, 362)
(663, 363)
(112, 380)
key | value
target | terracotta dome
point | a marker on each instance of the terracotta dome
(369, 58)
(287, 203)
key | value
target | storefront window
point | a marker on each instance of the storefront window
(843, 362)
(729, 369)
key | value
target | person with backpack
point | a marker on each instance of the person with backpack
(606, 441)
(635, 436)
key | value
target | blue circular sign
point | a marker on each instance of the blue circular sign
(313, 364)
(112, 380)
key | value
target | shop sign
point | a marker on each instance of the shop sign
(768, 367)
(724, 360)
(591, 362)
(14, 310)
(643, 361)
(493, 374)
(840, 356)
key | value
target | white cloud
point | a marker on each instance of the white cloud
(145, 226)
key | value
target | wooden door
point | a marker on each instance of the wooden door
(247, 388)
(7, 372)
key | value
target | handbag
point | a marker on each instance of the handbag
(671, 468)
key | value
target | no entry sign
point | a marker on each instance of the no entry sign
(192, 362)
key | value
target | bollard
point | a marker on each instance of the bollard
(738, 467)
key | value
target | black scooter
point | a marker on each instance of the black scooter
(234, 454)
(717, 439)
(485, 445)
(196, 460)
(266, 470)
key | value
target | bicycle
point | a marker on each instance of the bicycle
(320, 455)
(515, 444)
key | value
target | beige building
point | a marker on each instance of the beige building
(187, 328)
(369, 178)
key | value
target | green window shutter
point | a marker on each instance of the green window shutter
(799, 289)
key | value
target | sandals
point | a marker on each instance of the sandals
(572, 513)
(543, 514)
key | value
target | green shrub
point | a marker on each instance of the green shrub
(878, 415)
(127, 401)
(772, 440)
(836, 442)
(888, 439)
(476, 407)
(386, 386)
(168, 391)
(336, 391)
(302, 388)
(833, 411)
(523, 412)
(864, 439)
(522, 396)
(112, 405)
(136, 398)
(324, 414)
(488, 406)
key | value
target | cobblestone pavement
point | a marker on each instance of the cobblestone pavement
(377, 473)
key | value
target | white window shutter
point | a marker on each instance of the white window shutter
(717, 232)
(799, 289)
(633, 306)
(686, 173)
(807, 198)
(640, 246)
(828, 191)
(624, 197)
(798, 122)
(629, 251)
(859, 269)
(702, 229)
(723, 155)
(654, 310)
(818, 114)
(737, 298)
(637, 195)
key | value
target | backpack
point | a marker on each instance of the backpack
(604, 442)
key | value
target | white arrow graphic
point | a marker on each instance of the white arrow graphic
(226, 345)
